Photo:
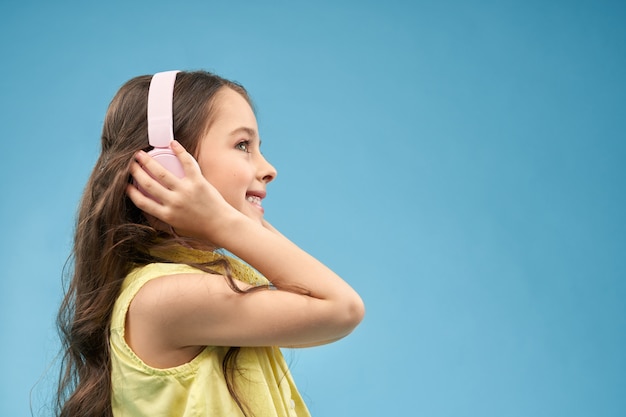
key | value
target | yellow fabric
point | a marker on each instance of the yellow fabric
(197, 388)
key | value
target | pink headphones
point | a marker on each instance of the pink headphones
(160, 121)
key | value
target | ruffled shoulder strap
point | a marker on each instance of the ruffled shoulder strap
(214, 260)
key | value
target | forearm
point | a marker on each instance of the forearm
(286, 265)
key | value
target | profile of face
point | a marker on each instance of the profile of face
(230, 158)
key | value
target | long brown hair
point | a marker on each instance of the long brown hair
(112, 235)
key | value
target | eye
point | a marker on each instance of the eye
(244, 145)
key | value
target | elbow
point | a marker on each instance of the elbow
(353, 313)
(357, 310)
(339, 321)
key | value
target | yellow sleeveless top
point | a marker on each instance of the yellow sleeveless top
(197, 388)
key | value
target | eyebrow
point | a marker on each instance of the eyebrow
(251, 132)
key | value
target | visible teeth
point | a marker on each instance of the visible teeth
(254, 199)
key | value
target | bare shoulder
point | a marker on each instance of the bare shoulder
(170, 290)
(166, 304)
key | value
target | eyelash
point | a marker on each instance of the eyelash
(245, 147)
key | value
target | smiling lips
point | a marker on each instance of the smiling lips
(254, 200)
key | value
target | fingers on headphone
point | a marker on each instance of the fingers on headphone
(145, 184)
(188, 162)
(154, 170)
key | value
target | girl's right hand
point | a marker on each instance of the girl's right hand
(191, 205)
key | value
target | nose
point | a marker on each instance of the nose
(266, 171)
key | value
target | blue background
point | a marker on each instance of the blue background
(460, 163)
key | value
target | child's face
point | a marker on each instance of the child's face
(230, 158)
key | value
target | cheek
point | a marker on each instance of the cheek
(232, 180)
(217, 180)
(230, 185)
(214, 171)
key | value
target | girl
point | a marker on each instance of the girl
(157, 321)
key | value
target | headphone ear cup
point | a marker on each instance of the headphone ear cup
(168, 159)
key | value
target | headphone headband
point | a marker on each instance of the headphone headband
(160, 116)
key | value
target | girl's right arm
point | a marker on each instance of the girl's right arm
(312, 305)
